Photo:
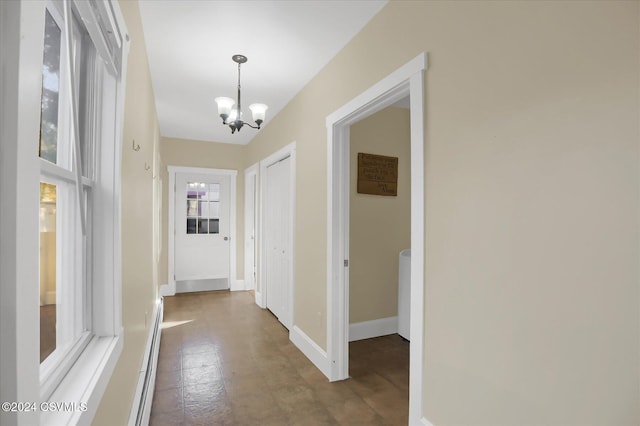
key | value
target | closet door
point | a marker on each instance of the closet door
(278, 256)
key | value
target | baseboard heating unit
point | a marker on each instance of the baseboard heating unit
(141, 408)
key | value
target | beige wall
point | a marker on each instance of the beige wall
(139, 292)
(380, 226)
(531, 150)
(190, 153)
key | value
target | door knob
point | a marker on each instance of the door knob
(226, 238)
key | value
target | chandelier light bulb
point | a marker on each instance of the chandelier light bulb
(233, 115)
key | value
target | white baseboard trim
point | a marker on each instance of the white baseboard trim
(238, 285)
(373, 328)
(425, 422)
(165, 290)
(50, 297)
(311, 350)
(141, 408)
(259, 300)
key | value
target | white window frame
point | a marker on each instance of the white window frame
(73, 267)
(22, 33)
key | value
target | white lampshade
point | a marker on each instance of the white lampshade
(258, 111)
(224, 105)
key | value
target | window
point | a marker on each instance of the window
(79, 128)
(64, 252)
(203, 208)
(33, 181)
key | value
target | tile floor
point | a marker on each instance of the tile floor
(225, 361)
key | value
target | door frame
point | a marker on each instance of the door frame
(170, 289)
(261, 291)
(407, 80)
(251, 200)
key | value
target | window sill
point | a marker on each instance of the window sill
(76, 399)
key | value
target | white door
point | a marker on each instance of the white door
(202, 232)
(277, 245)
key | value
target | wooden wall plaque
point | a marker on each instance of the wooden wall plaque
(377, 174)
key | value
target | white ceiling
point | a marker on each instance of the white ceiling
(190, 44)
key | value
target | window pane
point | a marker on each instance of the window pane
(191, 226)
(48, 270)
(48, 148)
(88, 93)
(203, 209)
(192, 190)
(214, 226)
(214, 191)
(192, 208)
(214, 210)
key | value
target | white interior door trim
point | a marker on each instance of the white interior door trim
(250, 222)
(170, 290)
(261, 295)
(407, 80)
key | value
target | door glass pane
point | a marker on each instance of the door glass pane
(214, 226)
(214, 191)
(214, 210)
(202, 191)
(203, 209)
(192, 190)
(191, 226)
(48, 270)
(203, 226)
(48, 147)
(192, 208)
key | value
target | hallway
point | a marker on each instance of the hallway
(225, 361)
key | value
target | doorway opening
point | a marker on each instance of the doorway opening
(379, 230)
(406, 81)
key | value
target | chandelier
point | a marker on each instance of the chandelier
(231, 116)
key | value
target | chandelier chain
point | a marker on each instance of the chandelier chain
(239, 105)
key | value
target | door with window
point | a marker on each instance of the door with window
(202, 232)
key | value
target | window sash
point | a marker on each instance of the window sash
(71, 296)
